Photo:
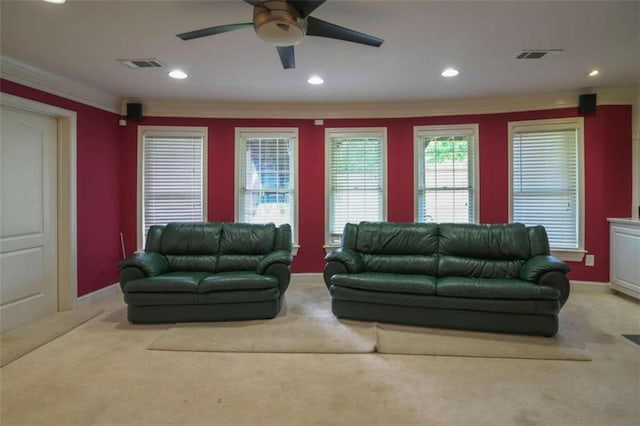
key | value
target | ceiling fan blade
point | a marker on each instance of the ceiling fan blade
(305, 7)
(256, 3)
(204, 32)
(319, 28)
(287, 57)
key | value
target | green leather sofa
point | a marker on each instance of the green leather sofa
(208, 272)
(497, 278)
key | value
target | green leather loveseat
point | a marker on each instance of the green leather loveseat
(208, 272)
(497, 278)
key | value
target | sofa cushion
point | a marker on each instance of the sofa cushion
(490, 242)
(201, 263)
(391, 283)
(191, 239)
(493, 288)
(525, 306)
(244, 238)
(237, 281)
(478, 268)
(238, 262)
(172, 282)
(397, 238)
(214, 297)
(400, 264)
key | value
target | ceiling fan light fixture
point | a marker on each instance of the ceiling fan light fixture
(280, 25)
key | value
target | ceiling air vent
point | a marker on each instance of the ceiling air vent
(538, 53)
(141, 63)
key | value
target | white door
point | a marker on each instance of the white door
(28, 219)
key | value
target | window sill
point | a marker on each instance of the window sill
(569, 255)
(328, 248)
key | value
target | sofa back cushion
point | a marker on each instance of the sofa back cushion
(483, 251)
(242, 245)
(409, 248)
(188, 246)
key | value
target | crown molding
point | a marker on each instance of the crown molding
(169, 108)
(27, 75)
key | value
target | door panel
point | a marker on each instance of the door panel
(28, 223)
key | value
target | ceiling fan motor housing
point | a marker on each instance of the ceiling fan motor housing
(278, 23)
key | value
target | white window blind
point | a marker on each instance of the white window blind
(446, 176)
(545, 183)
(266, 178)
(356, 185)
(172, 178)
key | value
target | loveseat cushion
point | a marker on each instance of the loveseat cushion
(493, 288)
(391, 283)
(226, 281)
(191, 239)
(172, 282)
(213, 297)
(243, 238)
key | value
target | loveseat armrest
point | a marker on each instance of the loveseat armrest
(277, 256)
(150, 263)
(350, 258)
(539, 265)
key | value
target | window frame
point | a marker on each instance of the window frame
(444, 130)
(572, 255)
(267, 132)
(350, 132)
(167, 131)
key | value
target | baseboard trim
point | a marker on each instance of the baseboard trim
(98, 296)
(591, 286)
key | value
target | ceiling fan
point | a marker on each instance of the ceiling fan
(284, 23)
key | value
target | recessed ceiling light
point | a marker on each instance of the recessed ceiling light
(593, 73)
(55, 1)
(179, 74)
(450, 72)
(315, 80)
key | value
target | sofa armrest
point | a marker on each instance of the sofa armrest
(537, 266)
(278, 256)
(149, 262)
(350, 258)
(282, 272)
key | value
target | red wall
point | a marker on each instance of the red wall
(98, 187)
(608, 173)
(107, 175)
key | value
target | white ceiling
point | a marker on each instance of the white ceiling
(82, 40)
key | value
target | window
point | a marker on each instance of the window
(172, 176)
(266, 175)
(546, 181)
(446, 173)
(356, 178)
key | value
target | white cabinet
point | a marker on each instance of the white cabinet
(625, 256)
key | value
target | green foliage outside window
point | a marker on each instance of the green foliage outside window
(446, 149)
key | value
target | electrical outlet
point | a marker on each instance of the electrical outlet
(589, 260)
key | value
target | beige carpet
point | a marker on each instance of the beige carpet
(22, 340)
(306, 325)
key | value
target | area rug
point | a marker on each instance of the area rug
(307, 325)
(22, 340)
